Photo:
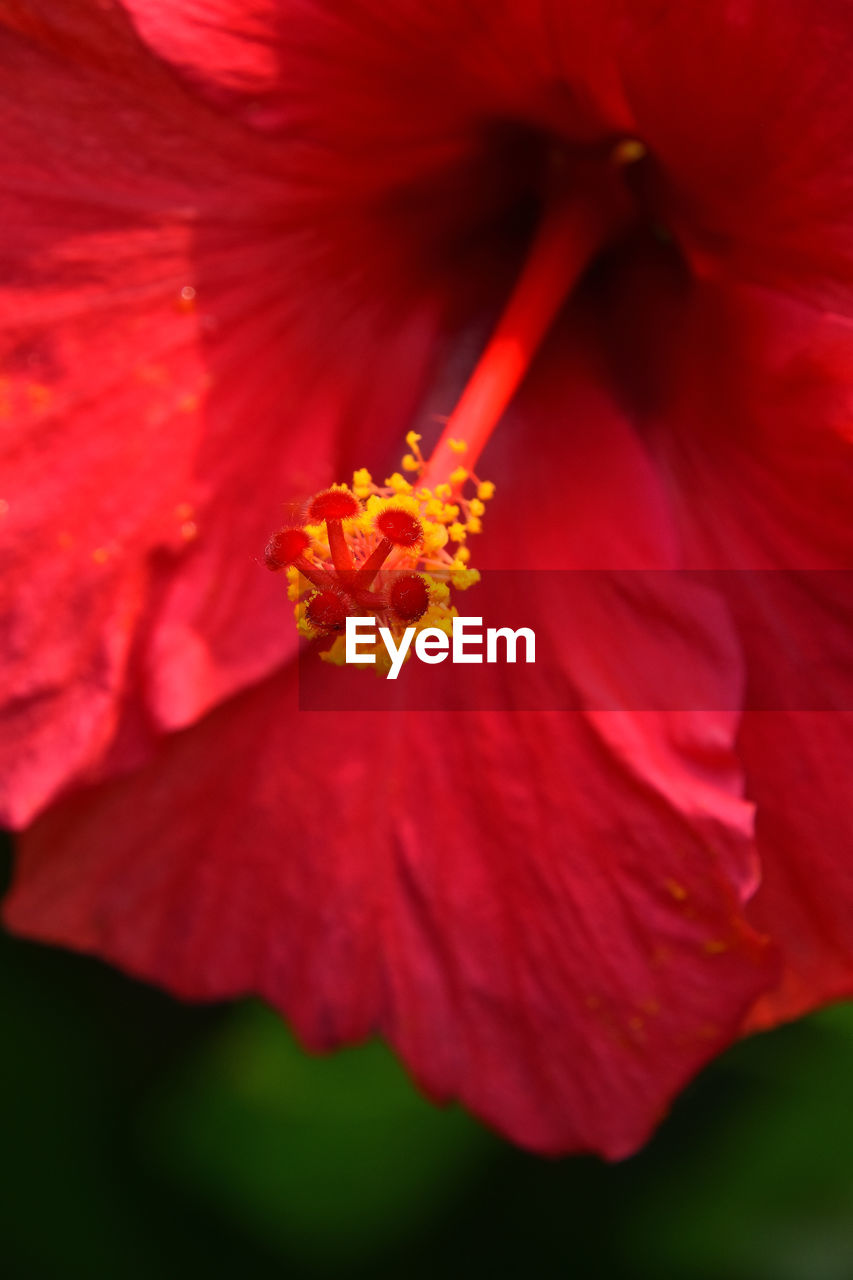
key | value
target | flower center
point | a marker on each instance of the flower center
(394, 551)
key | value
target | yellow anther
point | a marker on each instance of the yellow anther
(337, 653)
(437, 556)
(485, 490)
(628, 151)
(435, 537)
(439, 592)
(458, 446)
(405, 501)
(362, 482)
(398, 483)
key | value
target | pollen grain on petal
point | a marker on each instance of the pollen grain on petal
(628, 151)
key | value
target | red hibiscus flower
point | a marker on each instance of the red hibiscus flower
(248, 248)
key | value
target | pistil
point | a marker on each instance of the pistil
(570, 233)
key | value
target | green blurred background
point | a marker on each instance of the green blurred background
(145, 1138)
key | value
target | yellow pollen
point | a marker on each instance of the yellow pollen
(628, 151)
(439, 591)
(362, 482)
(399, 483)
(485, 490)
(458, 446)
(459, 476)
(357, 547)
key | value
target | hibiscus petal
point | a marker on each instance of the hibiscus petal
(367, 70)
(561, 959)
(157, 394)
(799, 769)
(765, 194)
(758, 432)
(748, 117)
(542, 912)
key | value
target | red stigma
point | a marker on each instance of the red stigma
(333, 504)
(399, 527)
(284, 547)
(327, 611)
(409, 597)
